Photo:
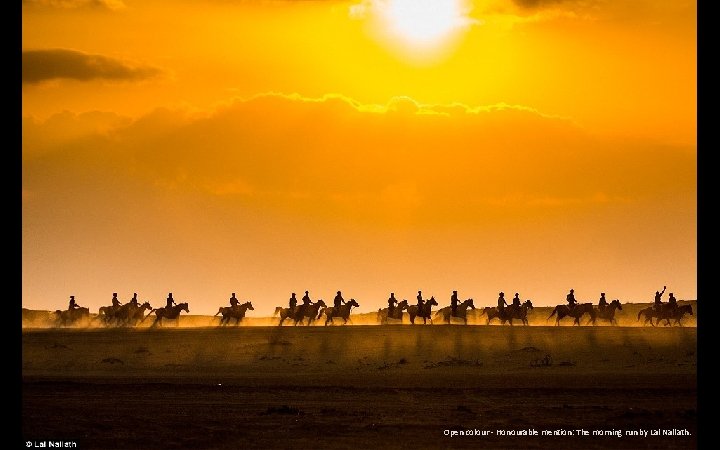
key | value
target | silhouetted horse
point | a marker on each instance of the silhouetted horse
(172, 313)
(521, 312)
(413, 311)
(576, 312)
(138, 314)
(230, 312)
(311, 312)
(108, 315)
(607, 313)
(667, 313)
(129, 313)
(492, 312)
(343, 312)
(508, 313)
(649, 314)
(300, 312)
(70, 317)
(284, 313)
(383, 314)
(460, 312)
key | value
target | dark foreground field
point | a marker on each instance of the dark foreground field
(359, 387)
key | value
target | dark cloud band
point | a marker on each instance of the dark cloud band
(50, 64)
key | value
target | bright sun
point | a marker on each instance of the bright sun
(424, 21)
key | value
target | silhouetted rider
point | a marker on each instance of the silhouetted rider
(306, 299)
(392, 301)
(420, 301)
(501, 302)
(602, 303)
(233, 301)
(571, 299)
(72, 305)
(516, 300)
(338, 301)
(115, 302)
(454, 303)
(672, 302)
(658, 299)
(133, 301)
(169, 302)
(292, 302)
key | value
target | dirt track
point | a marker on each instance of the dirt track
(358, 387)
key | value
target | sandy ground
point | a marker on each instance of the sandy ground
(392, 386)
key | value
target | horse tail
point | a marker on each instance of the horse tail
(552, 313)
(640, 313)
(277, 310)
(483, 312)
(219, 311)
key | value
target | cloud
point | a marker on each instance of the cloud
(539, 3)
(335, 154)
(51, 64)
(73, 4)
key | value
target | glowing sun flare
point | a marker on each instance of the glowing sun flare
(424, 21)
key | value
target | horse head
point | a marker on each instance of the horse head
(321, 303)
(617, 304)
(249, 306)
(469, 302)
(528, 304)
(352, 302)
(183, 307)
(432, 301)
(402, 304)
(146, 305)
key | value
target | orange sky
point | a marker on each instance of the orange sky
(270, 147)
